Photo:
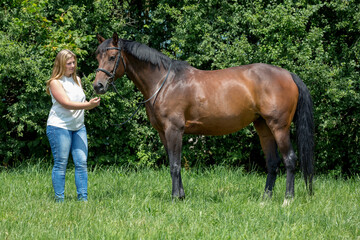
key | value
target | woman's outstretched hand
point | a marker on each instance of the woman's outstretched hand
(94, 103)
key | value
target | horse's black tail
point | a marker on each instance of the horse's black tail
(304, 123)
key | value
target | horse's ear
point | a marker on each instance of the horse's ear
(115, 39)
(100, 38)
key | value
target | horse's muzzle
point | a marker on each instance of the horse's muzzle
(99, 88)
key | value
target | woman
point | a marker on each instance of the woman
(65, 125)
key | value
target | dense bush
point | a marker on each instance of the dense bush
(317, 40)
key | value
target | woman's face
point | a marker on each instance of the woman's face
(70, 67)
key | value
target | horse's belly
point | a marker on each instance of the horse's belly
(217, 126)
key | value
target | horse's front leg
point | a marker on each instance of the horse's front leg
(172, 140)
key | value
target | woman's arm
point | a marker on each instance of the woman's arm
(59, 94)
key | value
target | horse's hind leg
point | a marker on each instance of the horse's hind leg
(282, 137)
(269, 147)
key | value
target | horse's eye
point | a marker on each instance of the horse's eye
(112, 58)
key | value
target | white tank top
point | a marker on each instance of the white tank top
(61, 117)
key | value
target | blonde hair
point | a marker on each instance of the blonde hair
(60, 67)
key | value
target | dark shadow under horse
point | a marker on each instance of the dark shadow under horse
(184, 100)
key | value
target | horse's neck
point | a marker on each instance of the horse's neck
(145, 77)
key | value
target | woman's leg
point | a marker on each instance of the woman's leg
(79, 151)
(60, 142)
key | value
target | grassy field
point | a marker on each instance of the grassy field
(220, 203)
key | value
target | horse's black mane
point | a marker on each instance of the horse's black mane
(146, 54)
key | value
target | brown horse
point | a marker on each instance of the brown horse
(184, 100)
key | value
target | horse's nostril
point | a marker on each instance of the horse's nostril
(99, 87)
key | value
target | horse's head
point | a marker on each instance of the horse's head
(111, 62)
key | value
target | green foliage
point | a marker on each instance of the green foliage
(317, 40)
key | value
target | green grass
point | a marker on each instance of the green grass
(220, 203)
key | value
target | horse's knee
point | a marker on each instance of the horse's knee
(175, 168)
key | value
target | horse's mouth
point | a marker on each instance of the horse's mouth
(100, 88)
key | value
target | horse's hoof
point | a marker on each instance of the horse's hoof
(267, 195)
(287, 202)
(175, 197)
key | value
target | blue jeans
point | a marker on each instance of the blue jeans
(63, 142)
